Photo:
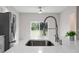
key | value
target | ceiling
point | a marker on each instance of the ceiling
(35, 9)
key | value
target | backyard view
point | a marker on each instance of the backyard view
(38, 29)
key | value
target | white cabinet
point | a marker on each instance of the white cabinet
(1, 43)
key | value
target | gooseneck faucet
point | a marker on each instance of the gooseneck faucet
(56, 27)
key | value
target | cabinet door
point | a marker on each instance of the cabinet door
(1, 43)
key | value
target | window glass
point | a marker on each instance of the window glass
(38, 29)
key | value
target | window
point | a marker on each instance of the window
(37, 30)
(43, 28)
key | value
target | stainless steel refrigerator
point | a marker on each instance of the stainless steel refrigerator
(7, 28)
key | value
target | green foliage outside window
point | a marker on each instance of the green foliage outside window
(35, 26)
(41, 28)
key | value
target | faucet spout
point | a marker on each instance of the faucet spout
(56, 25)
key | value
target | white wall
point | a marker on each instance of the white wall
(67, 21)
(25, 20)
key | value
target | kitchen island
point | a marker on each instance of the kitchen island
(66, 47)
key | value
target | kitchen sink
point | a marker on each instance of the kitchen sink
(39, 43)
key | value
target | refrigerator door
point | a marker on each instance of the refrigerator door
(4, 28)
(12, 30)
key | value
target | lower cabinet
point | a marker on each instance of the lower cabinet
(1, 43)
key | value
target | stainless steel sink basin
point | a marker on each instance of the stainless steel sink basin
(39, 43)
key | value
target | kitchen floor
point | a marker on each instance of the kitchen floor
(67, 47)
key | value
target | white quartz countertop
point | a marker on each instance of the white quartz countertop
(67, 47)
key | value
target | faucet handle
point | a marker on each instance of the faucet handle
(60, 42)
